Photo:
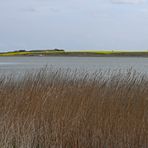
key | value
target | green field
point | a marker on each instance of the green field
(30, 53)
(75, 53)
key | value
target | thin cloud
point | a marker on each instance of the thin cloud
(29, 10)
(127, 1)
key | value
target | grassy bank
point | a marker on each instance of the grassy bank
(50, 109)
(32, 53)
(90, 53)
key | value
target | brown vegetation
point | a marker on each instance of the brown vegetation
(68, 109)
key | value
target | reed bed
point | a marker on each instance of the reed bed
(71, 109)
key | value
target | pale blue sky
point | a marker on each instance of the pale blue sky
(74, 24)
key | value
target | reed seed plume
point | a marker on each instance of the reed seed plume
(56, 108)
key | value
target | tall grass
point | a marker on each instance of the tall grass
(68, 109)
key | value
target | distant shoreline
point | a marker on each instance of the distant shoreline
(62, 53)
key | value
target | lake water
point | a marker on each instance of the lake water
(91, 64)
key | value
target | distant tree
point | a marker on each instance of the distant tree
(21, 50)
(56, 49)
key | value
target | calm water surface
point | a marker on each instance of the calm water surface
(91, 64)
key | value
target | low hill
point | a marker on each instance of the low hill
(61, 52)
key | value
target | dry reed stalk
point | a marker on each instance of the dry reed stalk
(65, 109)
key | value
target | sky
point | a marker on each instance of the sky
(74, 24)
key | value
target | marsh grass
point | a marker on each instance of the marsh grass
(68, 109)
